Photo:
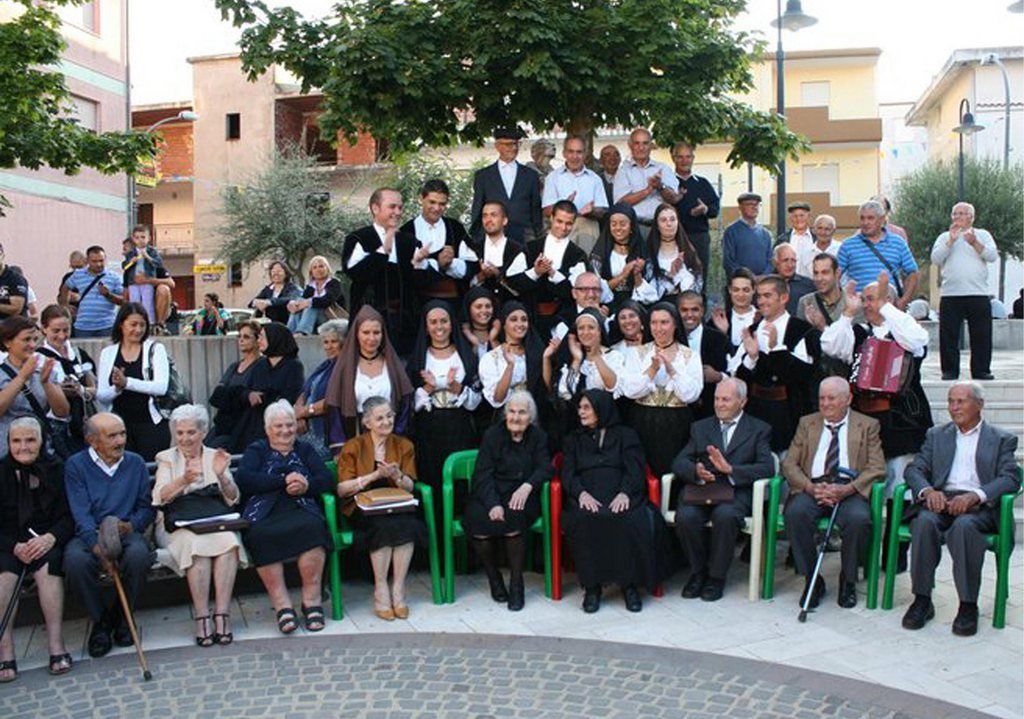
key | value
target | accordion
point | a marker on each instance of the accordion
(881, 367)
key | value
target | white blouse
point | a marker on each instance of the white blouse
(686, 385)
(569, 381)
(670, 285)
(492, 367)
(441, 398)
(645, 292)
(366, 387)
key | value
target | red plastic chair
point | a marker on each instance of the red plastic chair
(654, 494)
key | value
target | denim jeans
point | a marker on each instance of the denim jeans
(306, 321)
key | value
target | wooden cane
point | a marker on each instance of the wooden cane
(131, 624)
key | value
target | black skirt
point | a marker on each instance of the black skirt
(664, 431)
(632, 547)
(55, 559)
(439, 433)
(477, 524)
(374, 532)
(285, 533)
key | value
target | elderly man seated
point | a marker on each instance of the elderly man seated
(957, 479)
(101, 481)
(832, 440)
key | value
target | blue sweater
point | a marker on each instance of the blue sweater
(746, 246)
(93, 495)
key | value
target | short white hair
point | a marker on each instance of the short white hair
(338, 328)
(738, 386)
(782, 246)
(27, 423)
(967, 205)
(191, 413)
(976, 390)
(875, 206)
(826, 218)
(280, 408)
(521, 396)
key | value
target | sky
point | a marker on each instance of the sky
(916, 37)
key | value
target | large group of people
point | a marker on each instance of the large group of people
(566, 331)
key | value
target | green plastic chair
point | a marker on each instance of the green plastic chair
(341, 533)
(459, 466)
(777, 521)
(1001, 543)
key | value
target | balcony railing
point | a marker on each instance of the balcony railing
(174, 238)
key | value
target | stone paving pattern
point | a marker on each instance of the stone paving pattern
(481, 677)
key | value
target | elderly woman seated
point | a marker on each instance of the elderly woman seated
(616, 535)
(35, 524)
(377, 458)
(281, 478)
(504, 502)
(194, 481)
(310, 407)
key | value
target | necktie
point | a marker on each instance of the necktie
(832, 456)
(727, 433)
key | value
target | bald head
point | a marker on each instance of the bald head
(106, 434)
(784, 259)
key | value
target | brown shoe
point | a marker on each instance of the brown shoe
(401, 611)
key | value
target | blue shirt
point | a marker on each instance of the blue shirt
(746, 246)
(858, 263)
(93, 494)
(95, 312)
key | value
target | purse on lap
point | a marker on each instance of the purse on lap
(386, 500)
(711, 493)
(203, 511)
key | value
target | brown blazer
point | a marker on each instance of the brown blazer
(863, 446)
(357, 458)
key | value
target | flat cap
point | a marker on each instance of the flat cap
(798, 206)
(748, 197)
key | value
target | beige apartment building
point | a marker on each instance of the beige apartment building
(830, 98)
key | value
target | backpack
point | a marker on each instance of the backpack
(177, 393)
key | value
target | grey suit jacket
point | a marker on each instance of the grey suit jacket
(749, 451)
(996, 467)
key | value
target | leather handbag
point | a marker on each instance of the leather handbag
(220, 525)
(386, 500)
(708, 495)
(204, 502)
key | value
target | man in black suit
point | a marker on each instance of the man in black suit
(957, 479)
(378, 258)
(710, 343)
(438, 261)
(731, 447)
(513, 184)
(488, 258)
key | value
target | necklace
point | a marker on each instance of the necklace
(443, 347)
(664, 347)
(370, 359)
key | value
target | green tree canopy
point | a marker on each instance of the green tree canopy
(37, 124)
(438, 72)
(925, 198)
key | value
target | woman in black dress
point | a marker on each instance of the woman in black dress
(231, 395)
(277, 375)
(511, 466)
(620, 258)
(133, 372)
(281, 479)
(616, 534)
(443, 370)
(35, 524)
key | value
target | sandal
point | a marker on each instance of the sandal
(9, 666)
(314, 616)
(60, 664)
(286, 620)
(207, 639)
(222, 638)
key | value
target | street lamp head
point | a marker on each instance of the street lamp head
(188, 116)
(1017, 7)
(794, 18)
(967, 124)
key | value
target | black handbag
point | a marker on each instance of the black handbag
(203, 503)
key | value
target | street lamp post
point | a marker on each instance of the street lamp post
(183, 116)
(793, 19)
(967, 126)
(993, 59)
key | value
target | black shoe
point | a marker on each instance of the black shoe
(921, 611)
(816, 595)
(713, 589)
(516, 594)
(498, 591)
(122, 635)
(592, 599)
(983, 376)
(694, 585)
(966, 622)
(847, 595)
(947, 376)
(100, 642)
(632, 598)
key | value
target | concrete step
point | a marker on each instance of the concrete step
(1000, 390)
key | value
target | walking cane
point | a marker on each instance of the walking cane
(9, 611)
(110, 547)
(849, 474)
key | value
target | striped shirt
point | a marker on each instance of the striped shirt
(95, 312)
(858, 263)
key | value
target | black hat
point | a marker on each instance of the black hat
(508, 132)
(798, 206)
(748, 197)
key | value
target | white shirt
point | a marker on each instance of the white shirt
(963, 474)
(694, 338)
(508, 170)
(837, 340)
(739, 323)
(554, 250)
(109, 470)
(964, 271)
(591, 376)
(728, 432)
(366, 387)
(818, 465)
(492, 366)
(563, 182)
(432, 237)
(468, 397)
(631, 178)
(781, 323)
(672, 284)
(644, 292)
(494, 250)
(803, 244)
(359, 254)
(686, 384)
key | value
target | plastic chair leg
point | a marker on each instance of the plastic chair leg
(545, 514)
(556, 541)
(771, 539)
(756, 541)
(427, 496)
(337, 611)
(893, 550)
(875, 550)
